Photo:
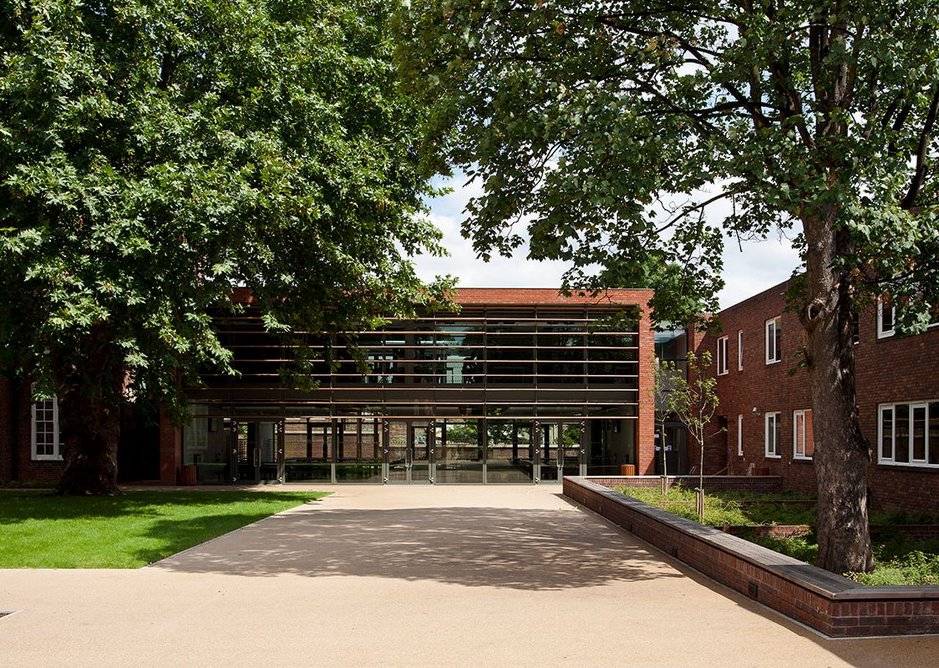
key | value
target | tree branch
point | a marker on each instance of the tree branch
(919, 174)
(696, 207)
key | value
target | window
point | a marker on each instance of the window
(908, 434)
(740, 436)
(886, 316)
(45, 429)
(773, 340)
(722, 356)
(739, 350)
(771, 435)
(803, 439)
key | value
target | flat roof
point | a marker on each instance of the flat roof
(525, 297)
(549, 296)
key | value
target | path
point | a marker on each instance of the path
(414, 576)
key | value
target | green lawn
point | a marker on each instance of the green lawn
(39, 530)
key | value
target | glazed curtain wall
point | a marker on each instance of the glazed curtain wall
(493, 362)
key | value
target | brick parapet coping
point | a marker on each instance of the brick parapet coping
(827, 602)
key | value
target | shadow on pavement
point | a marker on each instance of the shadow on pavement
(516, 548)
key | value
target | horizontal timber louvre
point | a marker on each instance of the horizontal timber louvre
(512, 362)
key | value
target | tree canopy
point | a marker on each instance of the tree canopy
(633, 138)
(156, 155)
(612, 128)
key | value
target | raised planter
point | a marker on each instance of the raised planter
(914, 531)
(827, 602)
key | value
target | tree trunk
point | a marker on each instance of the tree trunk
(841, 459)
(842, 454)
(700, 439)
(90, 393)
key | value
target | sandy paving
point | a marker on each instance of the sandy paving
(414, 576)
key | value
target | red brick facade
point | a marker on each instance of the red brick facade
(16, 460)
(171, 451)
(893, 369)
(645, 431)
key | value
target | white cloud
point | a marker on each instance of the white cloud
(760, 266)
(447, 213)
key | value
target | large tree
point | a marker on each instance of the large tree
(156, 155)
(633, 137)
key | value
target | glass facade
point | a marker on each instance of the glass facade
(671, 437)
(492, 394)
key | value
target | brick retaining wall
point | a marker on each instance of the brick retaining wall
(827, 602)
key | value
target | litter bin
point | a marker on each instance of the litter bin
(627, 469)
(188, 475)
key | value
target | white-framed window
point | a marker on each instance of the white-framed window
(886, 320)
(739, 350)
(45, 430)
(771, 431)
(722, 356)
(908, 434)
(740, 436)
(773, 340)
(803, 439)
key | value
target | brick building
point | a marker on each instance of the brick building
(765, 401)
(522, 385)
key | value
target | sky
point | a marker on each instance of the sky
(759, 266)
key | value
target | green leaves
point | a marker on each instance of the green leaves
(609, 138)
(153, 156)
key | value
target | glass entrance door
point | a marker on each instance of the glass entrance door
(561, 449)
(422, 452)
(510, 451)
(258, 451)
(410, 452)
(458, 453)
(358, 456)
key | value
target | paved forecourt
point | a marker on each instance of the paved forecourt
(414, 576)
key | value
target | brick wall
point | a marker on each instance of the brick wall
(7, 431)
(645, 429)
(894, 369)
(16, 462)
(888, 370)
(171, 451)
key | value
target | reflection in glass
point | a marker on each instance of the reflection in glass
(510, 453)
(459, 456)
(307, 450)
(358, 450)
(205, 447)
(560, 448)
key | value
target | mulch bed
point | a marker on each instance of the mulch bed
(771, 530)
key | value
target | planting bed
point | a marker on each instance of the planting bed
(905, 554)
